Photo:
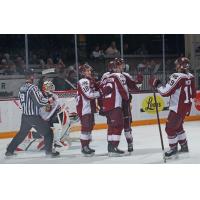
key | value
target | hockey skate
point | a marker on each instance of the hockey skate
(87, 152)
(92, 150)
(130, 147)
(10, 154)
(114, 151)
(171, 153)
(53, 154)
(184, 148)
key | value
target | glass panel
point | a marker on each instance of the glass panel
(53, 51)
(97, 51)
(12, 64)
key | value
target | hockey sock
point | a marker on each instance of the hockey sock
(115, 143)
(128, 136)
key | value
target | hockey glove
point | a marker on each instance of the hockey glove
(139, 79)
(154, 82)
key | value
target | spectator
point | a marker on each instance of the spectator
(72, 75)
(7, 57)
(142, 50)
(61, 63)
(4, 67)
(126, 49)
(42, 64)
(3, 63)
(149, 67)
(141, 66)
(13, 70)
(34, 59)
(20, 65)
(49, 64)
(97, 53)
(112, 50)
(133, 69)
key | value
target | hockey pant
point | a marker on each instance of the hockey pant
(174, 130)
(87, 124)
(115, 125)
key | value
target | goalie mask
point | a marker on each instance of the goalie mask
(182, 64)
(48, 86)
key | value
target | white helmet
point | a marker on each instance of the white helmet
(48, 86)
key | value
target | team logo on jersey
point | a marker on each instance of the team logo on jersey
(149, 105)
(197, 101)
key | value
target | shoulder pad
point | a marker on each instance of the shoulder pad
(84, 81)
(127, 74)
(191, 75)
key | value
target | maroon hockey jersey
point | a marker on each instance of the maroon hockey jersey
(113, 88)
(132, 84)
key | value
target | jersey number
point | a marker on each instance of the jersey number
(187, 90)
(85, 89)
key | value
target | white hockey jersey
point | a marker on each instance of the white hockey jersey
(86, 96)
(54, 106)
(181, 89)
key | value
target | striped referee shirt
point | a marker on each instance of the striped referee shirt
(31, 99)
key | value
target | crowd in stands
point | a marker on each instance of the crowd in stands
(111, 51)
(15, 64)
(11, 66)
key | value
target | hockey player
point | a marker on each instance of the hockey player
(132, 87)
(181, 89)
(113, 89)
(86, 107)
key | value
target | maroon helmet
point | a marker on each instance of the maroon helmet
(111, 66)
(182, 63)
(119, 61)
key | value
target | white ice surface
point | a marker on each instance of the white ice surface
(147, 149)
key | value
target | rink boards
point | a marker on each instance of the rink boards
(142, 109)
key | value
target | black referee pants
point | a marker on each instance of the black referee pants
(28, 122)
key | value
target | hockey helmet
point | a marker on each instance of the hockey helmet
(182, 63)
(111, 66)
(119, 61)
(48, 86)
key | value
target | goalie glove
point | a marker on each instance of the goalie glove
(51, 100)
(48, 108)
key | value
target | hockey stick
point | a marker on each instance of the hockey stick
(70, 84)
(53, 70)
(159, 126)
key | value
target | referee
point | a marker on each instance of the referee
(31, 100)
